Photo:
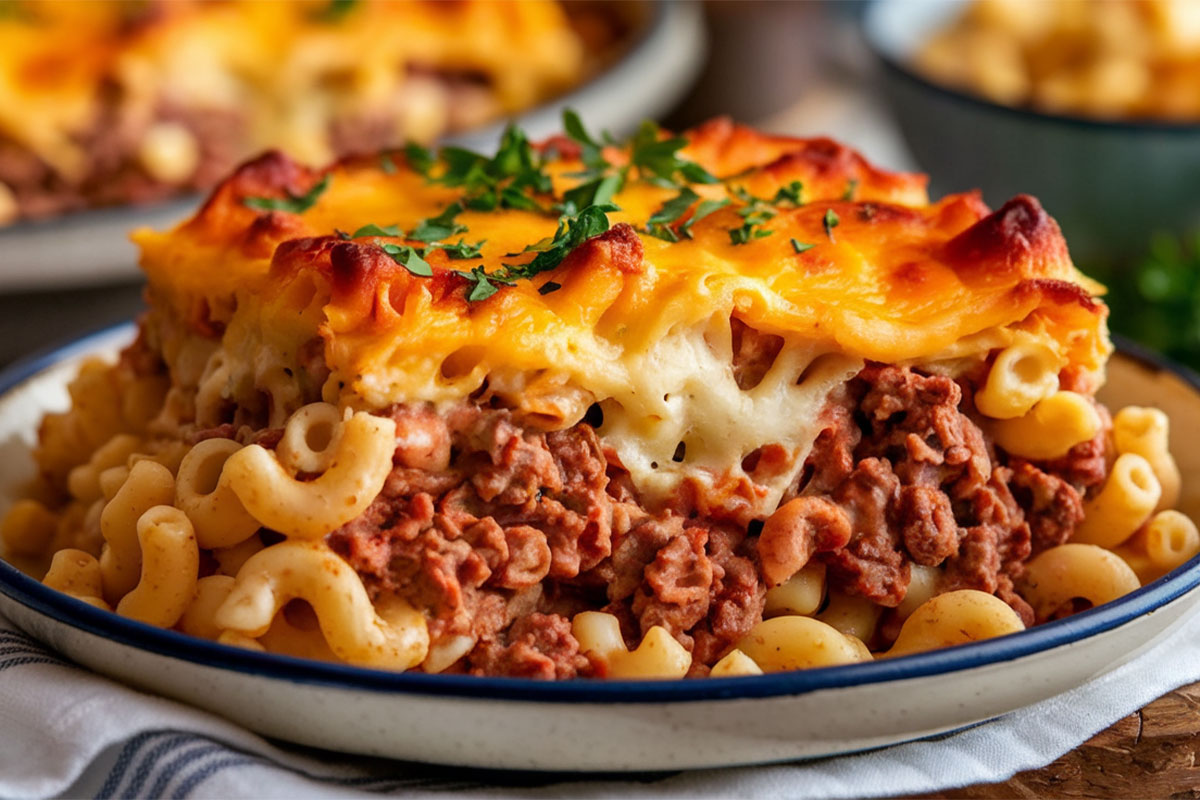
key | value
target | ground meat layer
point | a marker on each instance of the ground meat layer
(502, 534)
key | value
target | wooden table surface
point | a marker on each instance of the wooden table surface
(1150, 754)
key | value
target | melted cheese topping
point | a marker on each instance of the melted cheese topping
(289, 67)
(640, 325)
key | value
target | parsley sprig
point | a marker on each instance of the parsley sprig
(296, 204)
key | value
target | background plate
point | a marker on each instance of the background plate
(93, 247)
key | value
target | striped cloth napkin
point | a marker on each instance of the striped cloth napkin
(67, 732)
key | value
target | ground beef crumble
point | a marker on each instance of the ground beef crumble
(502, 533)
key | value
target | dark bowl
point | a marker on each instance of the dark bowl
(1108, 183)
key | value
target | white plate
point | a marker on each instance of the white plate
(593, 725)
(93, 247)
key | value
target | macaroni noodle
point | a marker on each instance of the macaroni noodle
(1144, 431)
(392, 636)
(358, 466)
(952, 618)
(658, 655)
(1126, 501)
(1071, 571)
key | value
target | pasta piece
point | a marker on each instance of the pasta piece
(77, 574)
(658, 655)
(170, 566)
(852, 615)
(83, 482)
(230, 559)
(1071, 571)
(1052, 428)
(734, 664)
(1021, 377)
(1125, 502)
(311, 509)
(28, 528)
(204, 494)
(1145, 431)
(954, 618)
(922, 585)
(1169, 540)
(395, 637)
(300, 640)
(445, 652)
(198, 618)
(801, 594)
(148, 485)
(786, 643)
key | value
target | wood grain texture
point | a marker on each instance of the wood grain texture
(1151, 754)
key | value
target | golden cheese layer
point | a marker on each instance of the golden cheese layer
(640, 325)
(289, 67)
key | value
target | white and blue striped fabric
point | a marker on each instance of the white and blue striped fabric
(65, 732)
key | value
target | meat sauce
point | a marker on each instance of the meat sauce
(502, 533)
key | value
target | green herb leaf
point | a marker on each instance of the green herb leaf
(409, 258)
(674, 208)
(659, 159)
(851, 188)
(572, 232)
(514, 197)
(295, 204)
(548, 287)
(419, 158)
(335, 10)
(482, 290)
(461, 250)
(830, 220)
(598, 191)
(703, 210)
(440, 227)
(792, 194)
(801, 247)
(590, 150)
(376, 230)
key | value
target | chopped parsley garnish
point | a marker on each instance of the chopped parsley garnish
(409, 258)
(590, 151)
(830, 220)
(851, 188)
(792, 194)
(658, 161)
(295, 204)
(335, 10)
(440, 227)
(801, 247)
(548, 287)
(419, 158)
(461, 250)
(755, 213)
(703, 210)
(597, 191)
(481, 283)
(572, 232)
(376, 230)
(674, 208)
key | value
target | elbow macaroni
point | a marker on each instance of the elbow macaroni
(953, 618)
(1144, 432)
(1128, 498)
(358, 460)
(1021, 377)
(1050, 429)
(1071, 571)
(392, 636)
(658, 655)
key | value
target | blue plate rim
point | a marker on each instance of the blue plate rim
(894, 65)
(64, 609)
